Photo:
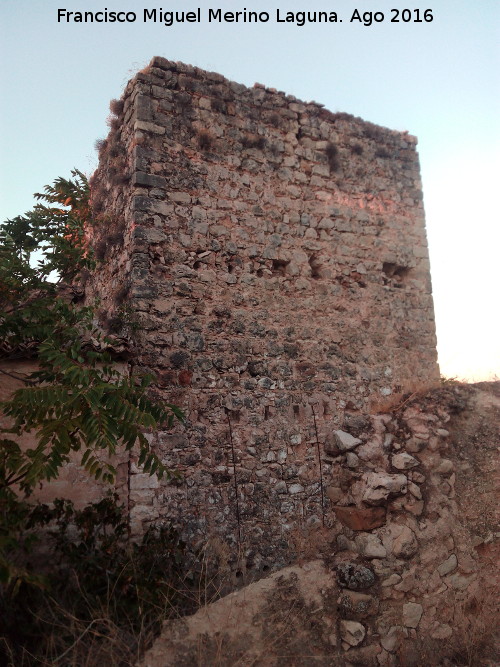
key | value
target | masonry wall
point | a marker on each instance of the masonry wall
(269, 259)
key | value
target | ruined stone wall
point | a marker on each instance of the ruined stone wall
(273, 256)
(409, 572)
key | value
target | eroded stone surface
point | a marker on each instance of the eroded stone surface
(370, 546)
(412, 613)
(352, 632)
(405, 543)
(404, 461)
(379, 486)
(353, 604)
(355, 576)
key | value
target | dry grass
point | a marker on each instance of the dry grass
(399, 399)
(309, 542)
(116, 107)
(253, 141)
(70, 639)
(332, 155)
(476, 623)
(205, 140)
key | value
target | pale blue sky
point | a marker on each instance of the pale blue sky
(439, 80)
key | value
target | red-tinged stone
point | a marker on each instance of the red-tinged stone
(357, 518)
(185, 378)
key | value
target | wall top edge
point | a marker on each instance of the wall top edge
(312, 107)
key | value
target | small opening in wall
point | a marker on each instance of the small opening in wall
(382, 152)
(234, 415)
(315, 265)
(197, 265)
(391, 269)
(238, 574)
(260, 273)
(395, 274)
(296, 411)
(279, 266)
(265, 568)
(267, 412)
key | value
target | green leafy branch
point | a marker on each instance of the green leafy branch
(76, 401)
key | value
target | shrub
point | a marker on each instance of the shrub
(100, 594)
(332, 155)
(253, 141)
(100, 146)
(113, 122)
(205, 140)
(116, 149)
(373, 132)
(116, 107)
(218, 105)
(276, 120)
(342, 115)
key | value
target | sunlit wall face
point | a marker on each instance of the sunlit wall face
(438, 80)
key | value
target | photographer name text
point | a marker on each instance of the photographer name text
(279, 16)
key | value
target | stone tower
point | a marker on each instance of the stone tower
(274, 256)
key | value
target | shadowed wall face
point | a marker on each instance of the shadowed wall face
(274, 255)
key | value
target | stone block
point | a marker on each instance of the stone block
(370, 546)
(404, 461)
(405, 543)
(448, 565)
(149, 180)
(364, 518)
(412, 613)
(148, 127)
(352, 604)
(352, 632)
(354, 576)
(380, 486)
